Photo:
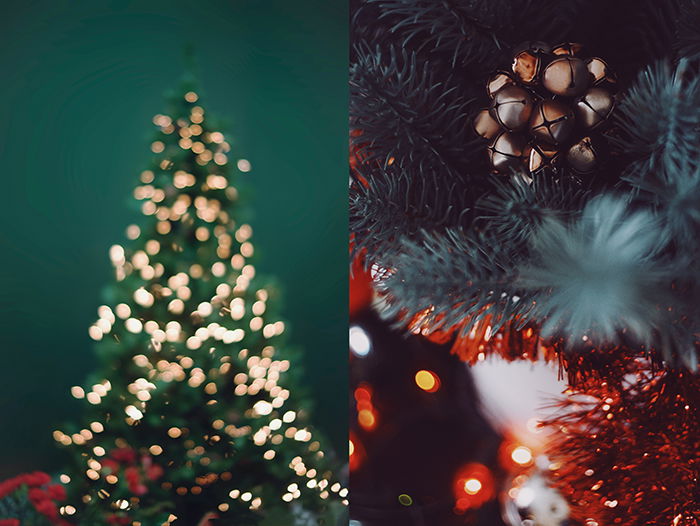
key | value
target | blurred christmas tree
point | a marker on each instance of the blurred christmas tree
(195, 410)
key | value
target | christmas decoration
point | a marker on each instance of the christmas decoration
(562, 99)
(531, 501)
(515, 408)
(195, 409)
(31, 500)
(607, 290)
(627, 447)
(457, 243)
(582, 250)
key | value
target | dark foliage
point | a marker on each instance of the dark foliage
(418, 75)
(388, 204)
(659, 120)
(408, 115)
(451, 278)
(459, 33)
(516, 206)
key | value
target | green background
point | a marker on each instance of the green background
(80, 82)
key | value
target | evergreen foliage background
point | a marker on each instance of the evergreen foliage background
(472, 246)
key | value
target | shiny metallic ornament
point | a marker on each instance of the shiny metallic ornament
(536, 46)
(569, 48)
(498, 80)
(512, 107)
(533, 501)
(542, 157)
(527, 65)
(507, 152)
(566, 76)
(485, 125)
(583, 156)
(529, 58)
(594, 107)
(541, 115)
(600, 71)
(552, 122)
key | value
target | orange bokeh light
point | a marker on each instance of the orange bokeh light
(366, 418)
(366, 414)
(427, 380)
(473, 487)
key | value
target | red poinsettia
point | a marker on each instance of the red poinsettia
(135, 469)
(42, 495)
(117, 519)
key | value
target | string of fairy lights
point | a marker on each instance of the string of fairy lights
(200, 345)
(520, 455)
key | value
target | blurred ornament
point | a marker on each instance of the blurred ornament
(512, 107)
(507, 152)
(553, 100)
(513, 394)
(532, 501)
(566, 76)
(552, 122)
(594, 107)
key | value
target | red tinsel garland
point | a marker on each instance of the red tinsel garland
(627, 446)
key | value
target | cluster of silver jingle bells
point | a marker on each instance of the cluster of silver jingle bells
(546, 112)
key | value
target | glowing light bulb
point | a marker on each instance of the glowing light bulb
(360, 343)
(521, 455)
(472, 486)
(427, 381)
(367, 419)
(262, 407)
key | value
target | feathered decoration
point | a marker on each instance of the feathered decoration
(674, 196)
(599, 276)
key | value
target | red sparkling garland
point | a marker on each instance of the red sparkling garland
(627, 446)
